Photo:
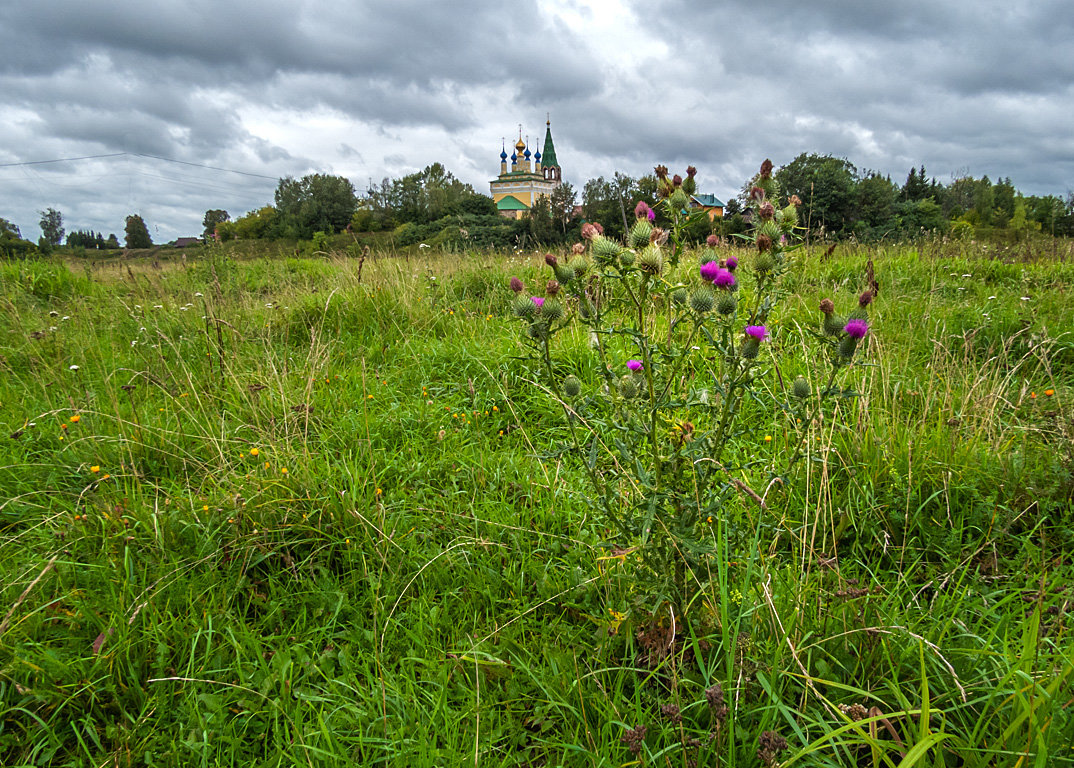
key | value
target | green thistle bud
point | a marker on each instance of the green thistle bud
(605, 250)
(801, 388)
(651, 260)
(572, 387)
(790, 216)
(640, 233)
(537, 330)
(771, 229)
(847, 347)
(678, 296)
(858, 313)
(726, 304)
(563, 274)
(580, 267)
(552, 310)
(833, 325)
(626, 258)
(628, 387)
(523, 307)
(764, 262)
(702, 300)
(679, 199)
(750, 348)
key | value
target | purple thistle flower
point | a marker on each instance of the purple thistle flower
(641, 210)
(709, 271)
(634, 365)
(516, 285)
(538, 301)
(731, 262)
(652, 215)
(757, 332)
(723, 279)
(856, 328)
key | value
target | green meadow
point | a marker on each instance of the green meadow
(279, 510)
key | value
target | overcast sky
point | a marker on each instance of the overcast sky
(379, 88)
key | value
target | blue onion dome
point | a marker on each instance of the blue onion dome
(503, 155)
(527, 153)
(514, 158)
(537, 155)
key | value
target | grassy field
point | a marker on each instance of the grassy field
(302, 511)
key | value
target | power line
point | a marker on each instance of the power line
(137, 154)
(201, 184)
(199, 165)
(61, 160)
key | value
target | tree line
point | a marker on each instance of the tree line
(839, 201)
(12, 244)
(432, 206)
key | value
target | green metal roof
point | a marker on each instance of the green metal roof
(707, 200)
(548, 154)
(511, 203)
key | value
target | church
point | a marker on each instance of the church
(527, 177)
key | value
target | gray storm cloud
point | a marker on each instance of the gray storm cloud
(375, 88)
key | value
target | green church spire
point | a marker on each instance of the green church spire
(548, 154)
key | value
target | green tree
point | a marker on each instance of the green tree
(315, 203)
(86, 238)
(916, 217)
(255, 225)
(424, 197)
(611, 203)
(12, 246)
(562, 202)
(541, 225)
(916, 186)
(876, 201)
(52, 226)
(958, 197)
(984, 201)
(1003, 194)
(1019, 223)
(476, 205)
(213, 217)
(827, 187)
(137, 233)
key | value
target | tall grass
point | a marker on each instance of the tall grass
(424, 585)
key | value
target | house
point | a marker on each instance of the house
(530, 175)
(708, 203)
(184, 242)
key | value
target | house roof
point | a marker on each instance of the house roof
(511, 203)
(707, 200)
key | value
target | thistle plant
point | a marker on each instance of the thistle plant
(681, 346)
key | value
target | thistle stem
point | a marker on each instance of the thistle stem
(568, 412)
(803, 439)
